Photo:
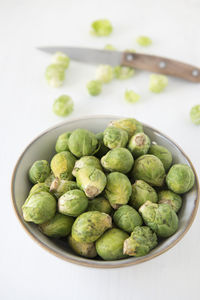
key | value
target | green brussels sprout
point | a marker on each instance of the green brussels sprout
(72, 203)
(62, 165)
(195, 114)
(150, 169)
(39, 171)
(141, 241)
(118, 189)
(118, 159)
(91, 180)
(61, 59)
(89, 226)
(161, 218)
(104, 73)
(142, 192)
(61, 186)
(39, 187)
(157, 83)
(109, 47)
(131, 126)
(39, 208)
(180, 178)
(63, 106)
(139, 144)
(127, 218)
(94, 87)
(55, 75)
(101, 27)
(100, 204)
(110, 245)
(83, 142)
(49, 180)
(131, 96)
(102, 149)
(59, 226)
(123, 72)
(163, 154)
(86, 161)
(83, 249)
(144, 41)
(170, 198)
(115, 137)
(62, 142)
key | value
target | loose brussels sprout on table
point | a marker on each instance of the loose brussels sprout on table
(94, 87)
(99, 200)
(131, 96)
(195, 114)
(55, 75)
(157, 83)
(101, 27)
(63, 106)
(144, 41)
(104, 73)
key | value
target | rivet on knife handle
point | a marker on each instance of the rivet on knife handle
(161, 65)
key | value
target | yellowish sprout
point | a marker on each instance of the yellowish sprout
(122, 72)
(157, 83)
(63, 106)
(195, 114)
(101, 27)
(104, 73)
(94, 87)
(61, 59)
(55, 75)
(131, 96)
(144, 41)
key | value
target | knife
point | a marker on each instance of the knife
(141, 61)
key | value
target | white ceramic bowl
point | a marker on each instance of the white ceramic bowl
(42, 147)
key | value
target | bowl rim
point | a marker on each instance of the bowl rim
(109, 263)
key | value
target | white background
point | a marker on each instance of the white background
(26, 270)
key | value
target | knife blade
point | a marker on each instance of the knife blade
(141, 61)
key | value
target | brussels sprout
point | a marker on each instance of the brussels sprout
(118, 159)
(63, 106)
(101, 27)
(139, 144)
(104, 73)
(39, 171)
(102, 149)
(170, 198)
(61, 186)
(49, 180)
(62, 165)
(89, 226)
(94, 87)
(195, 114)
(58, 226)
(62, 142)
(110, 245)
(39, 187)
(131, 96)
(61, 59)
(142, 192)
(180, 178)
(150, 169)
(144, 40)
(83, 249)
(91, 180)
(163, 154)
(100, 204)
(127, 218)
(118, 189)
(141, 241)
(161, 218)
(86, 161)
(55, 75)
(72, 203)
(109, 47)
(157, 83)
(39, 208)
(123, 72)
(131, 126)
(115, 137)
(83, 142)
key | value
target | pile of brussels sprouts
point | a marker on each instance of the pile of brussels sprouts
(112, 194)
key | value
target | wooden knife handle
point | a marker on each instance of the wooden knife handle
(161, 65)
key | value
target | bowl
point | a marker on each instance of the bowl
(42, 147)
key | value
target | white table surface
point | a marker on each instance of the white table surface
(26, 270)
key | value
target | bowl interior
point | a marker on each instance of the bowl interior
(43, 148)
